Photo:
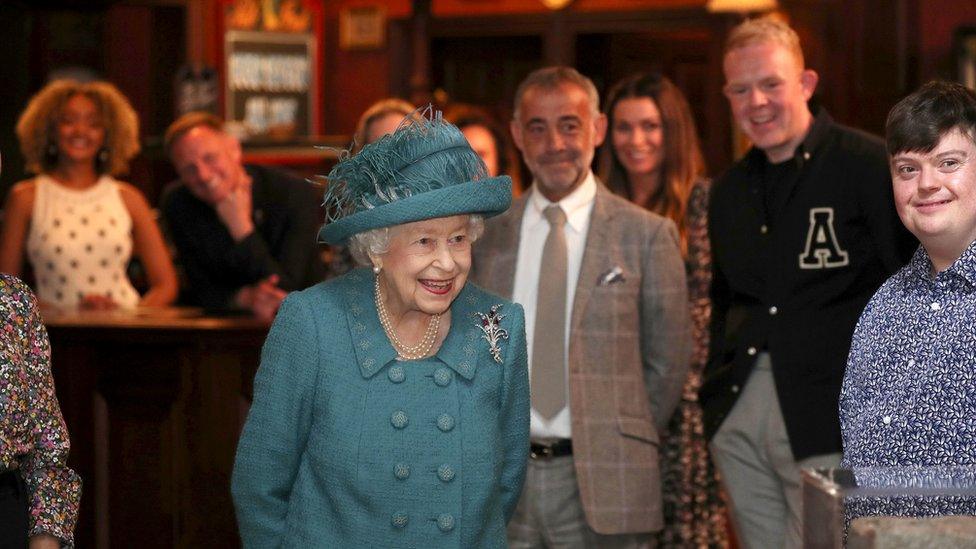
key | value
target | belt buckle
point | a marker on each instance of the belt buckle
(542, 451)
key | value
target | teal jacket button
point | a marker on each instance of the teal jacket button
(399, 419)
(445, 422)
(399, 520)
(443, 377)
(396, 374)
(445, 522)
(401, 471)
(445, 473)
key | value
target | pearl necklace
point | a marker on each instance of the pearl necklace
(406, 352)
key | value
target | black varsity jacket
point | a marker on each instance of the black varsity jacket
(794, 283)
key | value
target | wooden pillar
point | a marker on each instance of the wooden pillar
(200, 39)
(420, 92)
(560, 42)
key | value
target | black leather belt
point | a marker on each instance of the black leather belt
(551, 449)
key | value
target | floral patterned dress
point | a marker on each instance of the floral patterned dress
(33, 436)
(694, 513)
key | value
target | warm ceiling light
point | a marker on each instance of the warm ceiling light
(740, 6)
(556, 4)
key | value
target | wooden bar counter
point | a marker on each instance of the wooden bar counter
(154, 400)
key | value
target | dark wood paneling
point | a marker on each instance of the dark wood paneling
(143, 51)
(482, 60)
(154, 407)
(353, 79)
(685, 54)
(936, 21)
(483, 70)
(15, 27)
(863, 52)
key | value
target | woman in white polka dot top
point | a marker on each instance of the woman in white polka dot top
(78, 224)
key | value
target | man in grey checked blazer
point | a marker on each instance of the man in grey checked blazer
(593, 480)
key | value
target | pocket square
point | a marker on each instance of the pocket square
(612, 276)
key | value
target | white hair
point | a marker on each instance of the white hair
(377, 241)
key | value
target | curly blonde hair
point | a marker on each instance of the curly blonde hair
(36, 129)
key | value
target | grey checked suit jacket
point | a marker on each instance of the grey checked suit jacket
(629, 352)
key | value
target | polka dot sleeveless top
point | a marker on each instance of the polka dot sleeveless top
(80, 243)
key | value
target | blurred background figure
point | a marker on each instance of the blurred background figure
(653, 158)
(78, 224)
(39, 494)
(245, 233)
(489, 139)
(379, 119)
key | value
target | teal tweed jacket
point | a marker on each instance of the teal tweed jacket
(345, 446)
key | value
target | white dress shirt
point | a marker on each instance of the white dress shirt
(535, 228)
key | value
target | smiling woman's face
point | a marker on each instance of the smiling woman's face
(637, 134)
(426, 265)
(480, 139)
(80, 133)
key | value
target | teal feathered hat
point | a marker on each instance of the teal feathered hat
(423, 170)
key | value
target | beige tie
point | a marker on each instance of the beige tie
(549, 342)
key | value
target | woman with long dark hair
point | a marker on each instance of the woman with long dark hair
(652, 157)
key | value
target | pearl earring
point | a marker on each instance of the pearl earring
(377, 269)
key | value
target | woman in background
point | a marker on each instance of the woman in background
(654, 159)
(78, 224)
(381, 118)
(39, 494)
(488, 139)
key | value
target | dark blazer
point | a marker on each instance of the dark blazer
(286, 220)
(793, 282)
(628, 353)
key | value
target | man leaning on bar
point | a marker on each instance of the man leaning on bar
(245, 234)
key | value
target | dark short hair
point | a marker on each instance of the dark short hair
(918, 122)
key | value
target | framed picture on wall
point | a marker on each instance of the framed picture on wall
(362, 28)
(271, 73)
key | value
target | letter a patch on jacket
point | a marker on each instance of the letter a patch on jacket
(822, 250)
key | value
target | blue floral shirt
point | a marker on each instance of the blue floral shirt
(909, 392)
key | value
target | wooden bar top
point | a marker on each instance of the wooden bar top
(149, 318)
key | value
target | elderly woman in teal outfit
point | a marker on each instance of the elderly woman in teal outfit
(391, 406)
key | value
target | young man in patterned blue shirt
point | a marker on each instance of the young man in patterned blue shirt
(909, 392)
